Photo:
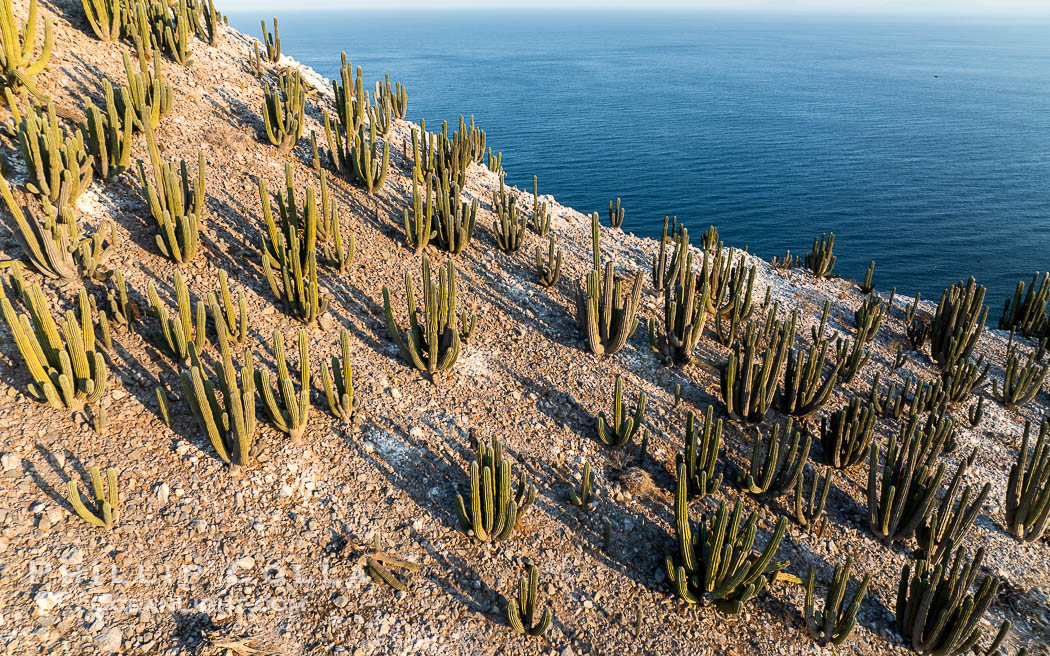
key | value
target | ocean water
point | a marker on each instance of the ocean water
(923, 144)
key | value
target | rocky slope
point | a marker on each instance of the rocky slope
(274, 555)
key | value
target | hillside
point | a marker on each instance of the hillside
(273, 554)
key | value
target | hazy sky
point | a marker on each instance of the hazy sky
(941, 7)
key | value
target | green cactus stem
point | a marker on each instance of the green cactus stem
(541, 216)
(338, 381)
(549, 271)
(809, 508)
(605, 311)
(615, 214)
(494, 507)
(1027, 312)
(283, 108)
(820, 260)
(291, 413)
(106, 511)
(867, 287)
(804, 393)
(586, 498)
(509, 226)
(272, 42)
(749, 377)
(60, 168)
(957, 323)
(835, 623)
(949, 523)
(846, 437)
(701, 454)
(776, 462)
(685, 314)
(18, 65)
(621, 428)
(176, 203)
(522, 613)
(1022, 381)
(1028, 487)
(232, 315)
(104, 17)
(108, 135)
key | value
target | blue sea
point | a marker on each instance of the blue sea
(923, 144)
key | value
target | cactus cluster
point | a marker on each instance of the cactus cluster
(106, 513)
(1028, 487)
(549, 271)
(804, 393)
(1026, 312)
(1022, 380)
(835, 623)
(869, 316)
(701, 454)
(19, 63)
(957, 323)
(586, 498)
(845, 438)
(809, 508)
(147, 94)
(289, 411)
(776, 463)
(338, 381)
(433, 344)
(820, 260)
(664, 270)
(718, 564)
(951, 520)
(184, 334)
(176, 202)
(283, 108)
(621, 428)
(605, 311)
(272, 42)
(224, 310)
(522, 613)
(354, 154)
(541, 216)
(749, 377)
(686, 312)
(494, 506)
(60, 168)
(509, 226)
(104, 17)
(108, 134)
(615, 214)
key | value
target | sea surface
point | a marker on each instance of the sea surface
(922, 144)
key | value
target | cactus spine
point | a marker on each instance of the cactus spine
(603, 310)
(18, 67)
(431, 345)
(834, 624)
(522, 614)
(717, 563)
(494, 507)
(107, 510)
(622, 428)
(845, 440)
(1028, 487)
(776, 463)
(176, 203)
(701, 454)
(291, 414)
(230, 426)
(66, 369)
(338, 381)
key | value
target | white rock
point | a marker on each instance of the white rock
(109, 641)
(46, 600)
(416, 432)
(10, 461)
(162, 493)
(285, 491)
(245, 563)
(72, 556)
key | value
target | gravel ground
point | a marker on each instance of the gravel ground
(273, 556)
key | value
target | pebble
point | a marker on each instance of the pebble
(285, 491)
(46, 600)
(162, 493)
(72, 556)
(416, 432)
(10, 461)
(109, 641)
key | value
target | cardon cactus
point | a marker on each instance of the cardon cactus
(233, 317)
(107, 510)
(717, 564)
(549, 271)
(455, 218)
(419, 221)
(183, 334)
(272, 42)
(509, 227)
(433, 344)
(949, 523)
(494, 507)
(147, 94)
(104, 17)
(60, 168)
(701, 454)
(338, 381)
(522, 613)
(283, 108)
(1022, 380)
(18, 64)
(291, 414)
(749, 378)
(835, 623)
(176, 202)
(820, 260)
(846, 437)
(937, 613)
(868, 317)
(810, 507)
(66, 369)
(804, 393)
(957, 323)
(108, 135)
(621, 428)
(1028, 487)
(686, 312)
(604, 311)
(615, 214)
(776, 463)
(541, 216)
(231, 425)
(1026, 313)
(662, 271)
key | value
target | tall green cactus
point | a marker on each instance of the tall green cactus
(171, 25)
(522, 613)
(962, 378)
(541, 216)
(18, 66)
(835, 623)
(272, 42)
(54, 247)
(351, 105)
(106, 513)
(804, 393)
(749, 377)
(104, 17)
(717, 564)
(1028, 487)
(846, 438)
(810, 507)
(291, 413)
(662, 271)
(937, 613)
(283, 109)
(233, 317)
(851, 355)
(338, 381)
(494, 507)
(604, 310)
(957, 323)
(108, 135)
(867, 287)
(910, 478)
(685, 314)
(66, 369)
(1022, 380)
(60, 168)
(549, 271)
(1026, 313)
(147, 94)
(868, 317)
(949, 523)
(621, 428)
(820, 260)
(183, 335)
(731, 290)
(231, 425)
(432, 345)
(509, 226)
(615, 214)
(419, 221)
(455, 219)
(701, 454)
(586, 498)
(776, 462)
(176, 202)
(291, 249)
